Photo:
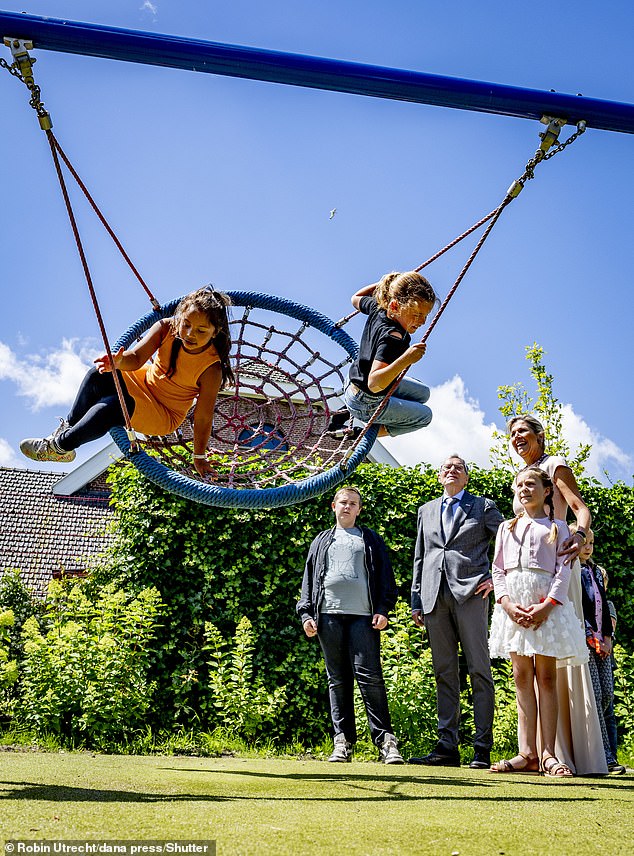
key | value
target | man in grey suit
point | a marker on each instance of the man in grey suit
(450, 598)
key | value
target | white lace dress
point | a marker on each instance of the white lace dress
(560, 636)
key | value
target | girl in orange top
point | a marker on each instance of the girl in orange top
(191, 363)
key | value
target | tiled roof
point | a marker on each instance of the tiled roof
(44, 535)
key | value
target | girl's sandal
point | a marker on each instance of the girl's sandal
(556, 769)
(531, 765)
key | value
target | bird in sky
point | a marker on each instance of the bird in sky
(332, 213)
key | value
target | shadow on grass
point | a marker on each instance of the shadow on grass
(487, 781)
(361, 783)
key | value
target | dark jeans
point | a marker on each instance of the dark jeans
(96, 410)
(352, 649)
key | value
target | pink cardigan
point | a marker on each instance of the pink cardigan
(541, 555)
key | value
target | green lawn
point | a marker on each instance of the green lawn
(274, 806)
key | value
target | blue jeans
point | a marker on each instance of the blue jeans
(405, 411)
(352, 649)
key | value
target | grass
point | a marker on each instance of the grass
(277, 806)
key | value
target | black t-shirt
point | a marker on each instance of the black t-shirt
(383, 340)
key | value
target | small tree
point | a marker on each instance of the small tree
(515, 400)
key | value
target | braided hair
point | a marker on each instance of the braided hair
(549, 502)
(213, 304)
(406, 288)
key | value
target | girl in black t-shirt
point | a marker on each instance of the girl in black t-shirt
(396, 307)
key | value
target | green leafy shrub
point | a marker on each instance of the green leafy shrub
(624, 697)
(409, 682)
(238, 699)
(217, 565)
(17, 597)
(85, 664)
(8, 667)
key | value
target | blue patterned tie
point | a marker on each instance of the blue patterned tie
(447, 516)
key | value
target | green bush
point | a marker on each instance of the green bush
(238, 700)
(8, 667)
(217, 565)
(84, 673)
(17, 597)
(624, 697)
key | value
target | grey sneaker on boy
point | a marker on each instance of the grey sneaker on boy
(46, 448)
(342, 751)
(388, 751)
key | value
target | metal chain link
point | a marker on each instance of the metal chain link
(12, 69)
(540, 156)
(36, 94)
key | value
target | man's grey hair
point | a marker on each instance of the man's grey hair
(464, 463)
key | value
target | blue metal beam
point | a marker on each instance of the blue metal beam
(314, 72)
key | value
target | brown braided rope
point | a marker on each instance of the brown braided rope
(93, 296)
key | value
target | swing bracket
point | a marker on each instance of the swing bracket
(23, 64)
(551, 135)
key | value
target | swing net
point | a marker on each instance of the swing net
(270, 445)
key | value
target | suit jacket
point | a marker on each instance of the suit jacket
(463, 558)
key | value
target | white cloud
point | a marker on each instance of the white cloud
(152, 8)
(605, 454)
(8, 458)
(459, 426)
(47, 380)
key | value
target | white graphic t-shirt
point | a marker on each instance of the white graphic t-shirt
(346, 578)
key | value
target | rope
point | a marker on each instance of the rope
(549, 137)
(494, 216)
(104, 222)
(91, 289)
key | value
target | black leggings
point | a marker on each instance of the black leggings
(96, 410)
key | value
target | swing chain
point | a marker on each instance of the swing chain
(549, 138)
(22, 68)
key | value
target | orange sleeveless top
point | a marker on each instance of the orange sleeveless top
(161, 402)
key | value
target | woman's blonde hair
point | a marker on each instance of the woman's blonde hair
(533, 423)
(406, 288)
(549, 502)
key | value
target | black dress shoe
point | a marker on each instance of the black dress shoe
(437, 759)
(481, 760)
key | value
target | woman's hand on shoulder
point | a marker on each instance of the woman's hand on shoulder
(571, 548)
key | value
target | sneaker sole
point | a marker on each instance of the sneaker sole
(48, 455)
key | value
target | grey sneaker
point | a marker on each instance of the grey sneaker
(46, 448)
(342, 751)
(388, 752)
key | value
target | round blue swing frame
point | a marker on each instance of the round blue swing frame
(223, 497)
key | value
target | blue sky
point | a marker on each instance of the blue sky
(209, 178)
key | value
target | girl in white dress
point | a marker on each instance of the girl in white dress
(534, 623)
